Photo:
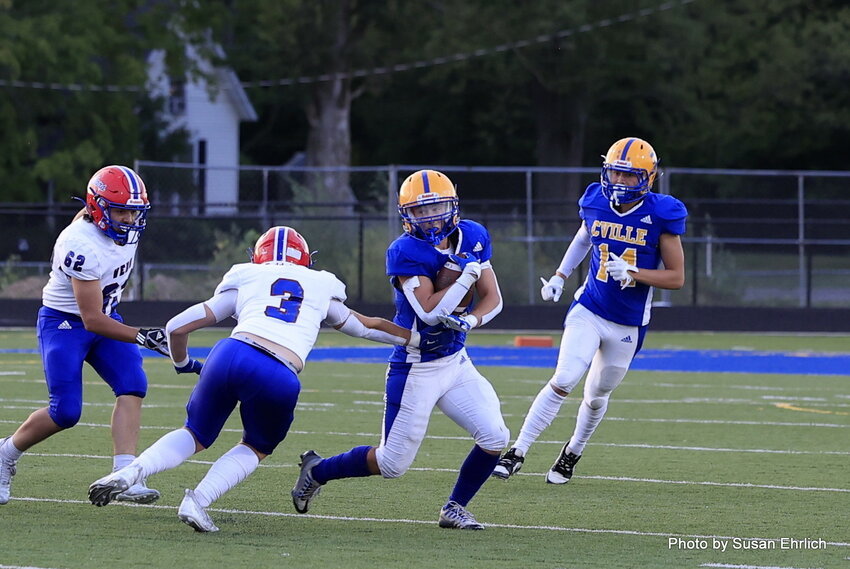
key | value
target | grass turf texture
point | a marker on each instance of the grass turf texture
(696, 455)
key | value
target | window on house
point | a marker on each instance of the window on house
(177, 98)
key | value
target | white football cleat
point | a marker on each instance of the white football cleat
(138, 493)
(453, 515)
(562, 470)
(104, 490)
(191, 513)
(7, 471)
(509, 464)
(306, 488)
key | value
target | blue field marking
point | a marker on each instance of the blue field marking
(717, 361)
(732, 361)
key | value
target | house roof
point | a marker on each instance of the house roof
(236, 94)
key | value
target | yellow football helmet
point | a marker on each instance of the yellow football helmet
(428, 206)
(633, 156)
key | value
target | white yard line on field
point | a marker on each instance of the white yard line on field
(422, 522)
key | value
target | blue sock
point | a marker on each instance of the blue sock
(351, 464)
(474, 472)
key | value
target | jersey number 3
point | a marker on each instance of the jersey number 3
(290, 304)
(629, 255)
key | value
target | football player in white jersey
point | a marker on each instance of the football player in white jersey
(78, 322)
(634, 237)
(444, 377)
(279, 303)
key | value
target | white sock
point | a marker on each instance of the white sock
(166, 453)
(119, 461)
(586, 422)
(10, 451)
(543, 411)
(232, 468)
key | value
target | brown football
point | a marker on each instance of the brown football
(446, 276)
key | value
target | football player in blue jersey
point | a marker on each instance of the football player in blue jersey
(634, 236)
(78, 322)
(442, 375)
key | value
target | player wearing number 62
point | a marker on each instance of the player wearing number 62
(634, 236)
(78, 322)
(279, 303)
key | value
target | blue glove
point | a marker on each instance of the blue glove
(467, 263)
(461, 323)
(432, 338)
(194, 366)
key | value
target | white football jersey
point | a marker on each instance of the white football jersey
(84, 252)
(282, 302)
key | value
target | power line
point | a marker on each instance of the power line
(375, 71)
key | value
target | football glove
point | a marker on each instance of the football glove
(553, 288)
(153, 339)
(193, 366)
(461, 323)
(432, 338)
(619, 270)
(467, 263)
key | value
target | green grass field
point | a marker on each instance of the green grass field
(701, 459)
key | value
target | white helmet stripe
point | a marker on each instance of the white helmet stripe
(280, 244)
(134, 181)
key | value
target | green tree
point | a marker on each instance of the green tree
(73, 89)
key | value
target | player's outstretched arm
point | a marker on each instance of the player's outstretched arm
(195, 317)
(372, 328)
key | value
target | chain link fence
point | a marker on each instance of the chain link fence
(754, 238)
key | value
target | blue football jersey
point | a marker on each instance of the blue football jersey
(633, 236)
(408, 256)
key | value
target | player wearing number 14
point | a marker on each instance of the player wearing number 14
(633, 235)
(78, 322)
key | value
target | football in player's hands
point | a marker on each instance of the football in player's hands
(446, 277)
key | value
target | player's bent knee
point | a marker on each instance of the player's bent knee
(494, 440)
(567, 379)
(66, 418)
(597, 403)
(392, 470)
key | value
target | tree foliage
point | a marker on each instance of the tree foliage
(59, 120)
(725, 83)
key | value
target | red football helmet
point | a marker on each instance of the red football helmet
(282, 243)
(118, 188)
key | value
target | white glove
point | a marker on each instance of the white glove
(553, 288)
(619, 270)
(461, 323)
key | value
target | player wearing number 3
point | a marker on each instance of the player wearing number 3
(634, 238)
(279, 303)
(78, 322)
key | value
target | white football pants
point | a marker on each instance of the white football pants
(454, 386)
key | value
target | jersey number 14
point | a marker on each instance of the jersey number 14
(629, 255)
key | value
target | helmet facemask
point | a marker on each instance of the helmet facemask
(431, 219)
(120, 232)
(623, 193)
(118, 188)
(630, 156)
(427, 204)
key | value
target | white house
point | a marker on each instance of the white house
(211, 116)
